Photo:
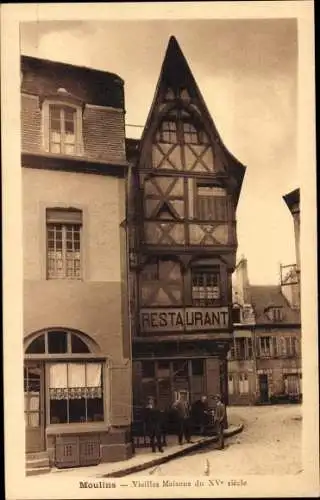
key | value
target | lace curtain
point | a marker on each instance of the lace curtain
(75, 381)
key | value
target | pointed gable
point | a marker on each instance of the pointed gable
(179, 133)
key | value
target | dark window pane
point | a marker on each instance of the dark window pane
(148, 369)
(95, 409)
(58, 411)
(163, 365)
(180, 368)
(197, 367)
(77, 410)
(37, 346)
(57, 342)
(77, 345)
(236, 315)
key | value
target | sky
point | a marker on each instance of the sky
(247, 73)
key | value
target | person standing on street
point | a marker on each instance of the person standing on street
(219, 415)
(153, 424)
(183, 413)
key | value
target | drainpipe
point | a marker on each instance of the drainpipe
(254, 353)
(129, 288)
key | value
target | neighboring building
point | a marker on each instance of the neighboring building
(77, 370)
(264, 363)
(184, 191)
(290, 274)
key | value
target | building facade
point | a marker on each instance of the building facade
(77, 369)
(183, 193)
(264, 363)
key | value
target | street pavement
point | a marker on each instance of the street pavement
(269, 444)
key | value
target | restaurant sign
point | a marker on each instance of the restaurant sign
(180, 320)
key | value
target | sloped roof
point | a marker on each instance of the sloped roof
(175, 72)
(264, 296)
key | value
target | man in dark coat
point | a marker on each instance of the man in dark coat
(153, 424)
(200, 413)
(183, 416)
(219, 419)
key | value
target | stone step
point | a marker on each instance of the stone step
(43, 462)
(35, 471)
(36, 455)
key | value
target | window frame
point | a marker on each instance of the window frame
(265, 352)
(78, 127)
(68, 363)
(206, 301)
(211, 207)
(92, 356)
(67, 222)
(181, 117)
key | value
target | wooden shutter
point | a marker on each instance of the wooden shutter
(45, 126)
(64, 216)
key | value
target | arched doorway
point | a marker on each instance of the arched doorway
(63, 383)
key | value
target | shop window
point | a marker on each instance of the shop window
(75, 392)
(211, 202)
(63, 244)
(74, 388)
(197, 367)
(205, 286)
(148, 369)
(180, 368)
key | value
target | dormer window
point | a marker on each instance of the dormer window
(274, 313)
(62, 124)
(62, 129)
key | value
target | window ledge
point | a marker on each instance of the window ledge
(77, 428)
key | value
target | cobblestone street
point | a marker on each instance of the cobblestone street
(269, 444)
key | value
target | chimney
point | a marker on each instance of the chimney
(241, 281)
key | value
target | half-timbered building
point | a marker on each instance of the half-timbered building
(183, 194)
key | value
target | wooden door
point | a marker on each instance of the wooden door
(34, 406)
(264, 389)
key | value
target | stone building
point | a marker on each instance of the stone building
(77, 369)
(264, 363)
(184, 189)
